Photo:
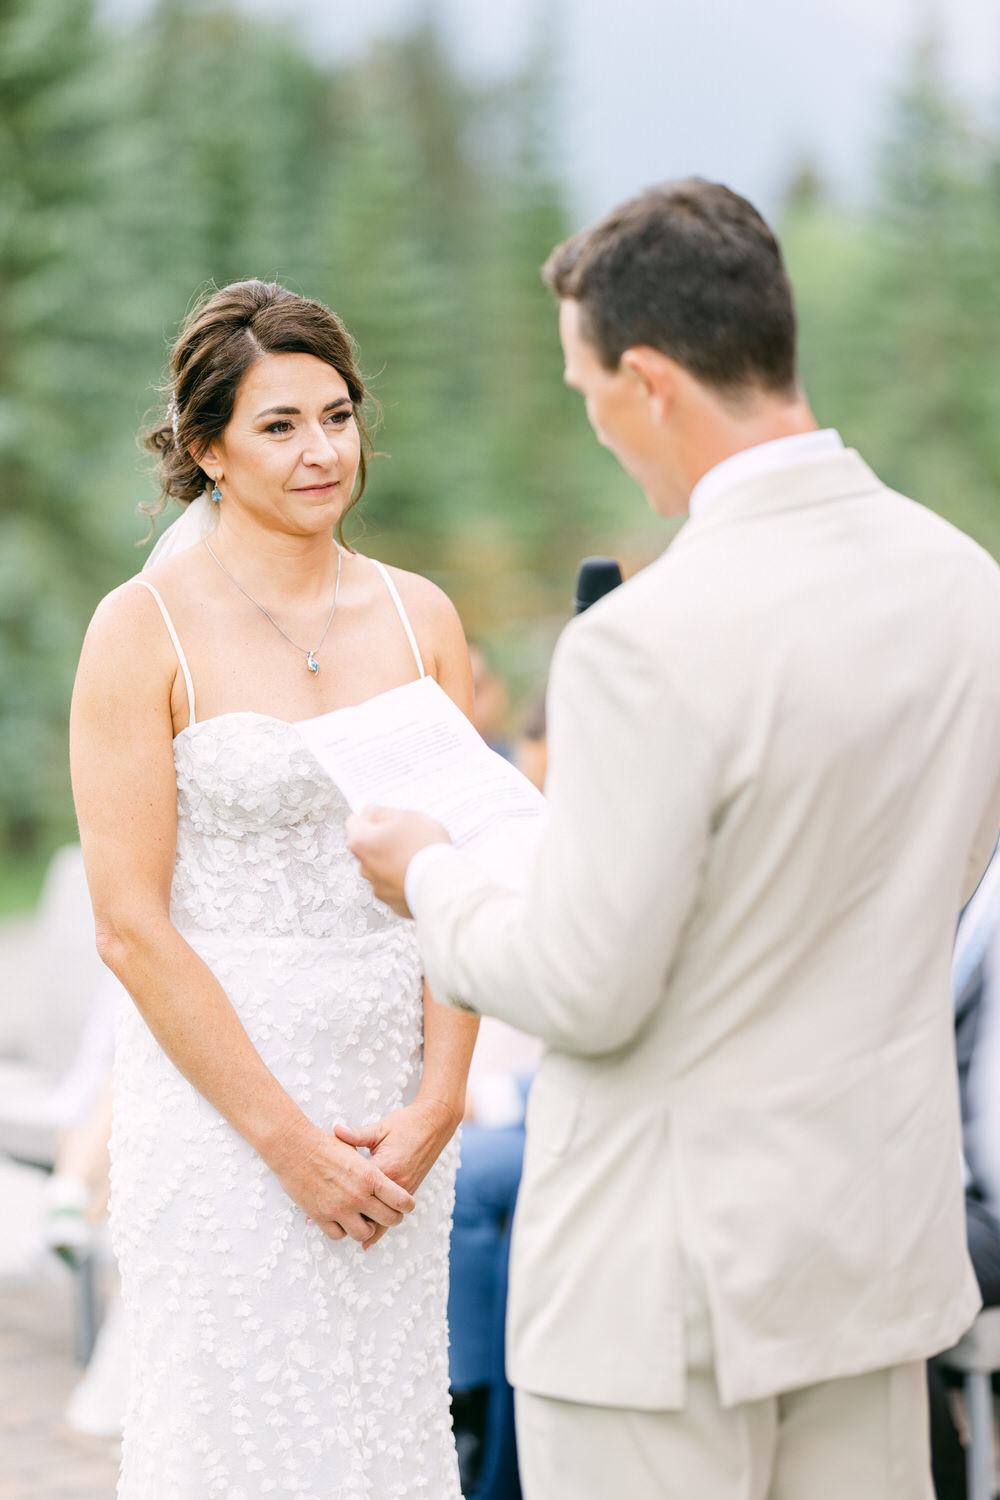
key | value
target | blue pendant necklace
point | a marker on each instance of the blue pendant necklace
(310, 656)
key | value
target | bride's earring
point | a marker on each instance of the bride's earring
(216, 492)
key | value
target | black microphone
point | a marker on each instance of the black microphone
(597, 577)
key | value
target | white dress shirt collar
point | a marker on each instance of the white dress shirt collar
(762, 458)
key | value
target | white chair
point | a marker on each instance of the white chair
(45, 1005)
(976, 1356)
(52, 979)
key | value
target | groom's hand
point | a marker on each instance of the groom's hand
(385, 840)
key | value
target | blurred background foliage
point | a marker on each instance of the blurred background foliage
(142, 160)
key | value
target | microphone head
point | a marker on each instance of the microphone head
(597, 577)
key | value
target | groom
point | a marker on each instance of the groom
(774, 780)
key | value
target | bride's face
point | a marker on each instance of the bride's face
(290, 453)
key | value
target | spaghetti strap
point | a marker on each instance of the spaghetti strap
(394, 595)
(168, 622)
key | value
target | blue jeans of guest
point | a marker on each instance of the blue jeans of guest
(485, 1194)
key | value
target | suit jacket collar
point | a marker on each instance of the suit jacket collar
(836, 476)
(763, 458)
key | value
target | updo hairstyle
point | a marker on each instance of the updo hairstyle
(224, 334)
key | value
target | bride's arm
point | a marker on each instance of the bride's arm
(121, 753)
(447, 1046)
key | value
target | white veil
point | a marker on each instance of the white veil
(197, 522)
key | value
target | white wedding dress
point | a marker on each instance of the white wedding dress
(268, 1359)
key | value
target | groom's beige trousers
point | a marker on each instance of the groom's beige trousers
(864, 1438)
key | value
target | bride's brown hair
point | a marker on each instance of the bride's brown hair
(226, 332)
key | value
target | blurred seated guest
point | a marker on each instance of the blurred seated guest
(491, 702)
(976, 988)
(76, 1204)
(485, 1195)
(531, 748)
(77, 1192)
(503, 1065)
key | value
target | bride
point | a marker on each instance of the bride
(275, 1349)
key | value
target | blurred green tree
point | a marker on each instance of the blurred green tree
(900, 310)
(54, 128)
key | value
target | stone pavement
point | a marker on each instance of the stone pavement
(40, 1457)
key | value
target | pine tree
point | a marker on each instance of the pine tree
(53, 127)
(900, 310)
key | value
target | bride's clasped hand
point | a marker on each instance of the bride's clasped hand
(340, 1191)
(404, 1145)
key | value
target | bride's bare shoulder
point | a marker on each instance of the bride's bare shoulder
(132, 614)
(127, 663)
(426, 604)
(178, 575)
(436, 624)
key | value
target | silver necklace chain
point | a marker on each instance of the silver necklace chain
(310, 656)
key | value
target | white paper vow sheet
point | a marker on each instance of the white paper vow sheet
(412, 747)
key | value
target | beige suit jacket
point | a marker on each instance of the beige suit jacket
(775, 777)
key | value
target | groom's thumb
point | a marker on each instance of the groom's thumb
(359, 826)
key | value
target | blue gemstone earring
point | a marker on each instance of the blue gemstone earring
(216, 492)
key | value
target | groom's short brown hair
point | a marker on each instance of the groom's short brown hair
(689, 268)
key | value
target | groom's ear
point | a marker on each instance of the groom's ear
(656, 376)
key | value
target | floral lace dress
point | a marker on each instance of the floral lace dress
(266, 1358)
